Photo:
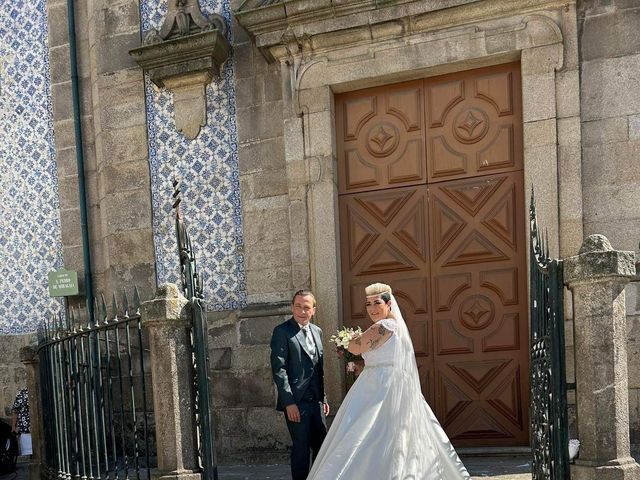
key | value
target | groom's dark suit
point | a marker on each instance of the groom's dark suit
(299, 377)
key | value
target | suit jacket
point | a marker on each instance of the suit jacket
(292, 366)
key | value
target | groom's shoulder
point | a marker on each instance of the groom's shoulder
(286, 325)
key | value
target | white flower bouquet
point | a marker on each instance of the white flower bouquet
(341, 340)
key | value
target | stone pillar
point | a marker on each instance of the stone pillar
(168, 321)
(29, 358)
(597, 276)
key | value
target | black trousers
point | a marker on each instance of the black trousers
(307, 437)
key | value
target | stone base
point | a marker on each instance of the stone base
(175, 475)
(35, 470)
(620, 469)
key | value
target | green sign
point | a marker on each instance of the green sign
(63, 283)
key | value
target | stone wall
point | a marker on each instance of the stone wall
(610, 113)
(112, 105)
(247, 426)
(610, 118)
(263, 176)
(13, 375)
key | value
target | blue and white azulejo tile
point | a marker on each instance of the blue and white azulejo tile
(207, 168)
(30, 237)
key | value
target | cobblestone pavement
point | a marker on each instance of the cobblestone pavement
(498, 468)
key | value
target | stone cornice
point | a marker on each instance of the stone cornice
(279, 16)
(322, 24)
(205, 51)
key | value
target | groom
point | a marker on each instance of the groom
(297, 368)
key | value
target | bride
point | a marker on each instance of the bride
(384, 429)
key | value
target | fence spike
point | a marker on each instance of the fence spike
(546, 243)
(51, 327)
(71, 319)
(532, 206)
(60, 323)
(136, 300)
(65, 312)
(89, 319)
(125, 303)
(78, 318)
(96, 312)
(103, 307)
(83, 317)
(114, 306)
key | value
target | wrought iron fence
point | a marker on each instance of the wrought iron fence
(193, 292)
(548, 406)
(98, 420)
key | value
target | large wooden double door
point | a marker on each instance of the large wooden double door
(431, 202)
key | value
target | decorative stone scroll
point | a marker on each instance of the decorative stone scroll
(184, 56)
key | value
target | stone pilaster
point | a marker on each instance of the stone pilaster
(597, 276)
(30, 360)
(168, 321)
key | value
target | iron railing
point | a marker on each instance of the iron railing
(548, 405)
(97, 415)
(193, 292)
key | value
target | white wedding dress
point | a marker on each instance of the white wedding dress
(379, 435)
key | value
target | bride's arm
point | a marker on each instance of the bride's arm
(371, 339)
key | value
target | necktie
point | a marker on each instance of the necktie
(310, 345)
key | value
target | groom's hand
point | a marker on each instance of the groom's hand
(325, 409)
(293, 414)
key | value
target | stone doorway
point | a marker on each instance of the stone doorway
(430, 183)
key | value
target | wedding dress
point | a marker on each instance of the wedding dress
(384, 429)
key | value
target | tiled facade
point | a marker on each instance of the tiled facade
(30, 238)
(272, 129)
(207, 168)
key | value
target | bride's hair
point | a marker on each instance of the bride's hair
(377, 289)
(381, 289)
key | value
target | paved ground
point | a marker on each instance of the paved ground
(498, 468)
(501, 468)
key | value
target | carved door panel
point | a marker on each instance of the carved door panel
(384, 236)
(473, 123)
(380, 138)
(431, 201)
(478, 274)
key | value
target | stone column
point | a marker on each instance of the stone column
(597, 276)
(168, 321)
(29, 358)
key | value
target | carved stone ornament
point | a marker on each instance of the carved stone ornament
(184, 56)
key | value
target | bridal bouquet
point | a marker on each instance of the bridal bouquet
(341, 340)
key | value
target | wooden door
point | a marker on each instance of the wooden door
(431, 201)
